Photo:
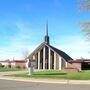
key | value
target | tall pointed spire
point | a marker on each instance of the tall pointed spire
(46, 36)
(47, 28)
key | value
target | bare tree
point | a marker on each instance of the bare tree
(25, 53)
(85, 26)
(84, 5)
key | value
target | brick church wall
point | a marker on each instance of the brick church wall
(74, 66)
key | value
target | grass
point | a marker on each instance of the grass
(84, 75)
(4, 69)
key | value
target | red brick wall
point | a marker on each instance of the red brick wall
(71, 70)
(21, 64)
(74, 65)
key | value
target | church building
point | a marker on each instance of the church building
(49, 57)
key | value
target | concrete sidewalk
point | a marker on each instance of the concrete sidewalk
(11, 72)
(55, 81)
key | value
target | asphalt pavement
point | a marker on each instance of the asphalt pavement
(18, 85)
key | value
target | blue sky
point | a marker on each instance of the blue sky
(22, 27)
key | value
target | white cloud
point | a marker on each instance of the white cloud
(75, 46)
(18, 43)
(15, 51)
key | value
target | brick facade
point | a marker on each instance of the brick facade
(74, 65)
(18, 63)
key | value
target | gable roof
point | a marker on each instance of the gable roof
(35, 50)
(59, 52)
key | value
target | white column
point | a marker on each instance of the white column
(60, 62)
(43, 58)
(39, 60)
(54, 61)
(49, 58)
(66, 64)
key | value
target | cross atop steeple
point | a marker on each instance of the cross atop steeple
(46, 36)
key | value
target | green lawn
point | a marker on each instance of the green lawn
(4, 69)
(84, 75)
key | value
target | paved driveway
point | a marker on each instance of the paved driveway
(17, 85)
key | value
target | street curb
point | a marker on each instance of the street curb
(52, 81)
(35, 80)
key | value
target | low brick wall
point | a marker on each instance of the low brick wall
(71, 70)
(75, 66)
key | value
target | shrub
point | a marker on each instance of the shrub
(9, 66)
(1, 65)
(23, 67)
(18, 67)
